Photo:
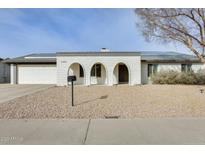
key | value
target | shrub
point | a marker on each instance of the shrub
(174, 77)
(200, 77)
(164, 77)
(186, 78)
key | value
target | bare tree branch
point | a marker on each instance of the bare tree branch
(186, 26)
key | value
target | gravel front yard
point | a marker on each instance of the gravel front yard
(100, 101)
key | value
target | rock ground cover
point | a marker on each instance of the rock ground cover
(146, 101)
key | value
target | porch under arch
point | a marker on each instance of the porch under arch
(121, 74)
(98, 74)
(78, 70)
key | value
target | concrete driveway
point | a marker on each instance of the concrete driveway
(9, 92)
(95, 131)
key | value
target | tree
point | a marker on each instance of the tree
(185, 26)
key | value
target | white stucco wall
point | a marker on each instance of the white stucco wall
(144, 70)
(196, 67)
(115, 77)
(109, 62)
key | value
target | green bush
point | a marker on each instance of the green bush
(174, 77)
(200, 77)
(187, 78)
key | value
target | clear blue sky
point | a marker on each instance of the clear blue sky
(25, 31)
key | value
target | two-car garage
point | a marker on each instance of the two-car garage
(36, 74)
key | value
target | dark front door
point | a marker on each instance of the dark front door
(123, 74)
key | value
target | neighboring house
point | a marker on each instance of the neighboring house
(4, 72)
(104, 68)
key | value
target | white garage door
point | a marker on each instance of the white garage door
(37, 74)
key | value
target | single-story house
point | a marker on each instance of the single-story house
(103, 67)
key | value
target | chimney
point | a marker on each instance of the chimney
(105, 50)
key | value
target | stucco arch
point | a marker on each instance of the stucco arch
(74, 69)
(116, 73)
(103, 80)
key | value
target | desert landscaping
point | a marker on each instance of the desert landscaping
(121, 101)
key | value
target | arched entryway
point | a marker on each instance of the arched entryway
(121, 74)
(77, 70)
(98, 74)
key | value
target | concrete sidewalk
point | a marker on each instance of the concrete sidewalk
(137, 131)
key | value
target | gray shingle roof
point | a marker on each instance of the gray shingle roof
(167, 57)
(128, 53)
(34, 58)
(145, 56)
(42, 55)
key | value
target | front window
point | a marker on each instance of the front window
(96, 70)
(183, 67)
(189, 69)
(152, 69)
(186, 67)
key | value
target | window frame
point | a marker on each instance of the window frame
(155, 68)
(186, 68)
(152, 69)
(149, 70)
(189, 67)
(183, 67)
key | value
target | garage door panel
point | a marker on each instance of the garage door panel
(37, 74)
